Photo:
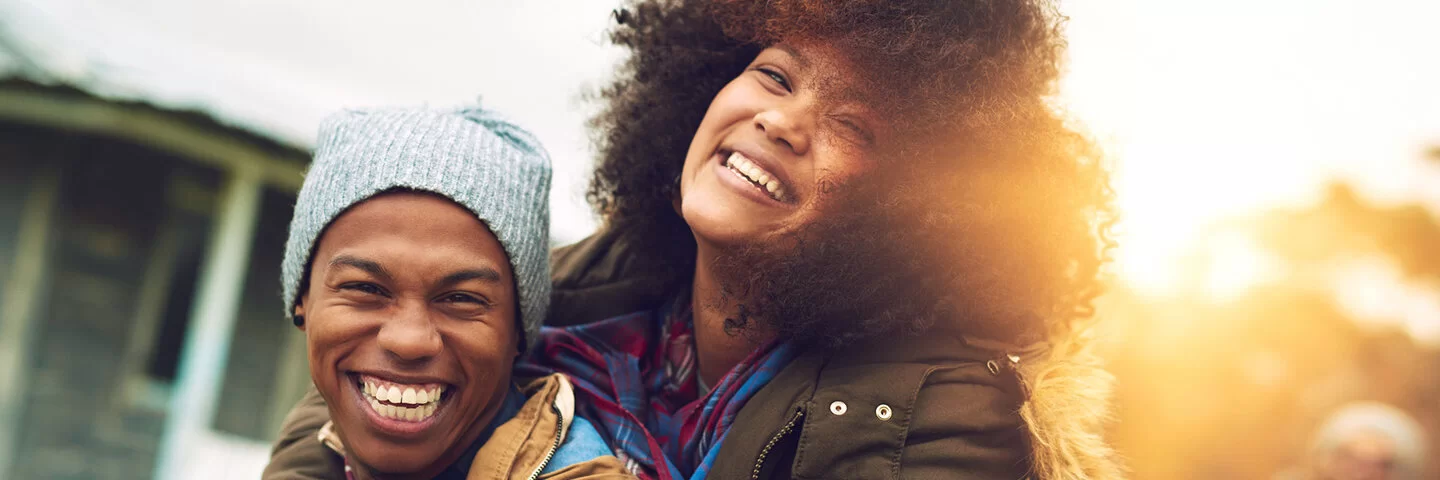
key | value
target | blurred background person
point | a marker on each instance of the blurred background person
(1365, 441)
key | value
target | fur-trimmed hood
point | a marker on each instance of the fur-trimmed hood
(1066, 414)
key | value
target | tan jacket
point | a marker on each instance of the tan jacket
(521, 447)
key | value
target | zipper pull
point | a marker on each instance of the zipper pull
(780, 435)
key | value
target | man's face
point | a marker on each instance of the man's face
(410, 320)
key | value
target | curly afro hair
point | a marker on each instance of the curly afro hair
(991, 220)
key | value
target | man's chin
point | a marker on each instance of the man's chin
(390, 460)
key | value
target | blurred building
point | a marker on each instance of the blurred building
(149, 154)
(143, 213)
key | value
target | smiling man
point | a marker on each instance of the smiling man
(416, 266)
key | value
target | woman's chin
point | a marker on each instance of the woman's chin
(718, 222)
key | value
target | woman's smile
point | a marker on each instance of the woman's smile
(751, 176)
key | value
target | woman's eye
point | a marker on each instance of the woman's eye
(855, 129)
(776, 77)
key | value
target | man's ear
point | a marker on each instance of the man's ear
(299, 313)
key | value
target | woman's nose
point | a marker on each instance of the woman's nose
(788, 125)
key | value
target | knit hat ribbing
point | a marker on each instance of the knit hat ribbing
(493, 168)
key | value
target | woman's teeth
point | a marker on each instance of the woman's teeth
(749, 170)
(399, 401)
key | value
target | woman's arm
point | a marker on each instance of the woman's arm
(965, 430)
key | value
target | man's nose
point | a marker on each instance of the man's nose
(411, 334)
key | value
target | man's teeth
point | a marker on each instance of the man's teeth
(399, 393)
(398, 412)
(752, 172)
(402, 402)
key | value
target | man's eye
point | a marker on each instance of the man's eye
(365, 288)
(462, 298)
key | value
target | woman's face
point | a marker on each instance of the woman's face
(410, 324)
(769, 138)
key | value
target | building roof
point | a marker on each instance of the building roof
(275, 68)
(48, 47)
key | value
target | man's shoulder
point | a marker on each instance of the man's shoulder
(299, 453)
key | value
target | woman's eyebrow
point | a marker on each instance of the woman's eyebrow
(368, 266)
(485, 274)
(794, 54)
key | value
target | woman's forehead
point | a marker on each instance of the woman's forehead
(834, 75)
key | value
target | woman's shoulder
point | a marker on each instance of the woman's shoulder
(908, 406)
(987, 408)
(598, 278)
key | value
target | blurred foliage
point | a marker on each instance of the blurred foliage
(1344, 225)
(1234, 387)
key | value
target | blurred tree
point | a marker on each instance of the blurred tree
(1345, 226)
(1232, 388)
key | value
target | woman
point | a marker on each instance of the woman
(845, 239)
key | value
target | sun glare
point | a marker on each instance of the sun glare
(1373, 291)
(1203, 126)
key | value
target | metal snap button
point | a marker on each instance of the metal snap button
(883, 412)
(838, 407)
(994, 367)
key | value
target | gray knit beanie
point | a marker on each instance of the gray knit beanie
(493, 168)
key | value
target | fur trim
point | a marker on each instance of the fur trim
(1067, 413)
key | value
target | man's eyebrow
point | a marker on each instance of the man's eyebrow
(485, 274)
(369, 266)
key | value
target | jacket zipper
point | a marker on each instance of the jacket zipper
(780, 435)
(559, 431)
